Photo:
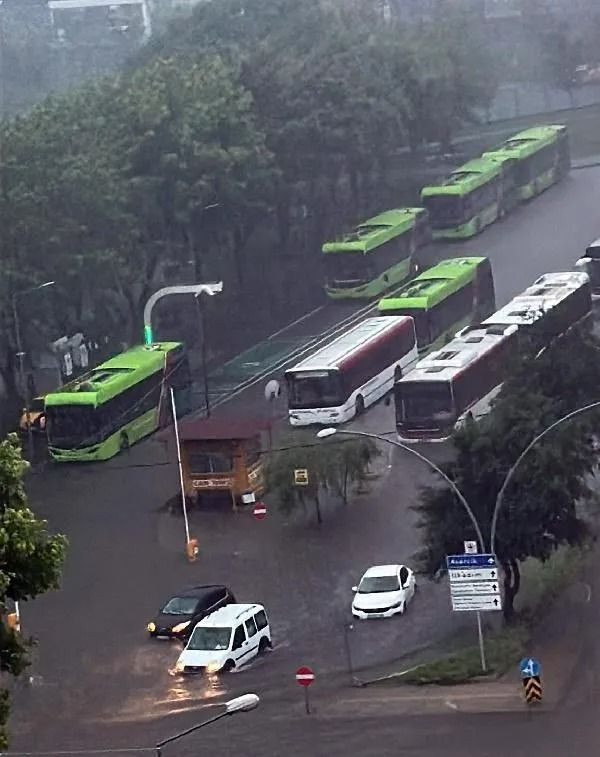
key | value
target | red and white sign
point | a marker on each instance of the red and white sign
(304, 676)
(260, 510)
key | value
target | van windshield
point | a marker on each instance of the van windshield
(209, 639)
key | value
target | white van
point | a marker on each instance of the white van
(226, 639)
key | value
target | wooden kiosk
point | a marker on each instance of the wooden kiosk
(220, 454)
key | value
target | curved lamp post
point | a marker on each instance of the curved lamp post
(511, 473)
(243, 703)
(326, 432)
(195, 289)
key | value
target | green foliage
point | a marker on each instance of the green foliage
(31, 561)
(333, 466)
(540, 509)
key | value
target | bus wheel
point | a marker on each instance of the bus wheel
(124, 442)
(360, 405)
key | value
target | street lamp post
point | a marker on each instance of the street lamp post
(196, 289)
(243, 703)
(21, 355)
(326, 432)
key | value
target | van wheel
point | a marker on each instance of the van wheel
(123, 442)
(263, 645)
(477, 226)
(360, 405)
(229, 666)
(397, 374)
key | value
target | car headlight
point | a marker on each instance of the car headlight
(181, 626)
(179, 666)
(213, 667)
(397, 604)
(151, 627)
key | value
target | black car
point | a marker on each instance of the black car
(180, 614)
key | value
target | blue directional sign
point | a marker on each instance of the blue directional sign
(471, 561)
(529, 667)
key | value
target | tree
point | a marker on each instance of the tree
(31, 561)
(541, 507)
(332, 466)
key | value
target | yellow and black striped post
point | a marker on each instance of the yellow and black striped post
(533, 689)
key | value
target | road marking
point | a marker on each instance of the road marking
(296, 322)
(588, 592)
(450, 704)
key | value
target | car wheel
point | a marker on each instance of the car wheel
(229, 666)
(263, 645)
(124, 442)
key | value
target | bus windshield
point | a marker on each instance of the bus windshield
(71, 426)
(347, 269)
(444, 210)
(424, 401)
(314, 389)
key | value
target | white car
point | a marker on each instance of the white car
(226, 639)
(383, 591)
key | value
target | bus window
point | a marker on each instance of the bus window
(314, 389)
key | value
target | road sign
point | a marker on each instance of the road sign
(477, 574)
(533, 689)
(470, 547)
(304, 676)
(248, 498)
(473, 602)
(475, 587)
(260, 510)
(474, 582)
(529, 667)
(471, 561)
(301, 477)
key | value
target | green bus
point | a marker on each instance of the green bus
(444, 299)
(467, 201)
(477, 193)
(117, 403)
(536, 158)
(378, 254)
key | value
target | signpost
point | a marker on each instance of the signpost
(304, 678)
(260, 510)
(301, 477)
(530, 670)
(474, 586)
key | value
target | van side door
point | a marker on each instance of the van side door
(239, 646)
(253, 637)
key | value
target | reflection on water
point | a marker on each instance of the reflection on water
(184, 688)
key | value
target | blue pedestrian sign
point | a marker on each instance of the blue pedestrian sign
(529, 667)
(471, 561)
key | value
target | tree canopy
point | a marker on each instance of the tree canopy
(31, 561)
(542, 505)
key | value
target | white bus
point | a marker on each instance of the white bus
(355, 370)
(468, 372)
(462, 377)
(551, 305)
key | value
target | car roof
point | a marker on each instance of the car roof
(383, 570)
(198, 591)
(229, 615)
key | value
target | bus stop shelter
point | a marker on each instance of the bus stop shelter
(220, 454)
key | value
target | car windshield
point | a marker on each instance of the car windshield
(209, 639)
(180, 606)
(375, 584)
(424, 401)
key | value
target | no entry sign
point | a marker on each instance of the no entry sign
(260, 510)
(304, 676)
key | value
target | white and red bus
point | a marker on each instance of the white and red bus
(355, 370)
(467, 373)
(463, 376)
